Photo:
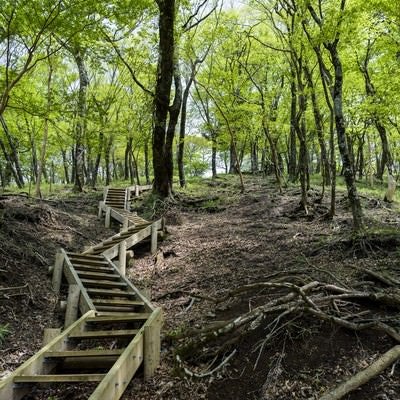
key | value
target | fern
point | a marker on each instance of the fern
(4, 331)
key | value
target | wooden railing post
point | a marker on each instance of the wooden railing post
(58, 271)
(152, 345)
(71, 314)
(107, 221)
(137, 190)
(122, 257)
(154, 233)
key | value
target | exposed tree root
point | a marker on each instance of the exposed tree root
(364, 376)
(331, 303)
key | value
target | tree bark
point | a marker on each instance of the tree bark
(319, 127)
(12, 156)
(292, 163)
(341, 135)
(182, 128)
(162, 184)
(42, 158)
(80, 126)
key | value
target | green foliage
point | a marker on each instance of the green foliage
(4, 331)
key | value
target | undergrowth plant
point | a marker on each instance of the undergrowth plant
(4, 331)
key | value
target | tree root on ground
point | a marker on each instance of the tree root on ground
(342, 306)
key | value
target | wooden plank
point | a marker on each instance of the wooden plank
(147, 304)
(71, 313)
(59, 378)
(107, 220)
(104, 334)
(111, 252)
(102, 307)
(122, 258)
(85, 303)
(152, 343)
(114, 317)
(83, 353)
(104, 284)
(80, 256)
(57, 272)
(117, 302)
(110, 293)
(98, 275)
(154, 230)
(49, 334)
(138, 237)
(117, 379)
(93, 268)
(35, 365)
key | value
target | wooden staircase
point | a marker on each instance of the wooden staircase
(118, 329)
(99, 347)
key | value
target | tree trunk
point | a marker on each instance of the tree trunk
(254, 157)
(146, 162)
(214, 155)
(96, 165)
(65, 166)
(42, 158)
(182, 129)
(319, 126)
(107, 160)
(80, 127)
(341, 136)
(292, 167)
(173, 121)
(162, 184)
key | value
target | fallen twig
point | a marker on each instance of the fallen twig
(205, 374)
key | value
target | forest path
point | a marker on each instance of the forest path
(246, 239)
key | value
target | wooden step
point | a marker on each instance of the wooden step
(123, 317)
(59, 378)
(93, 268)
(116, 302)
(85, 256)
(83, 353)
(102, 284)
(104, 334)
(99, 275)
(110, 293)
(90, 263)
(114, 308)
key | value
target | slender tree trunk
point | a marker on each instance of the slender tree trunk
(80, 127)
(254, 157)
(214, 155)
(173, 121)
(13, 154)
(107, 160)
(162, 184)
(32, 143)
(96, 166)
(341, 135)
(182, 129)
(319, 126)
(65, 166)
(146, 162)
(42, 158)
(292, 164)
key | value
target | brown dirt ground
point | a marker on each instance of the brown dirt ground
(213, 246)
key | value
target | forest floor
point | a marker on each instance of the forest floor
(219, 240)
